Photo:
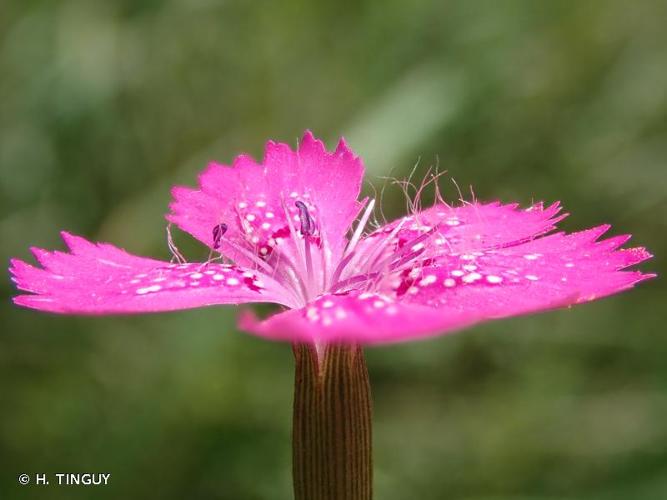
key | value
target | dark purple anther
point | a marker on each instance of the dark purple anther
(218, 233)
(306, 221)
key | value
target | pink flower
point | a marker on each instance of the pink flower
(280, 230)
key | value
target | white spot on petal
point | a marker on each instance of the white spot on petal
(311, 314)
(471, 278)
(340, 313)
(428, 280)
(449, 283)
(494, 279)
(148, 289)
(531, 277)
(232, 281)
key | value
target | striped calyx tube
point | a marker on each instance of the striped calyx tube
(332, 424)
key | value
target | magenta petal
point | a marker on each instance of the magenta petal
(486, 225)
(102, 279)
(356, 318)
(551, 271)
(471, 226)
(252, 198)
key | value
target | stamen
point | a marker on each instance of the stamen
(376, 254)
(218, 232)
(408, 251)
(369, 257)
(251, 256)
(359, 278)
(307, 226)
(341, 265)
(301, 273)
(360, 227)
(289, 272)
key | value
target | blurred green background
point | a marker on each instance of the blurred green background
(106, 104)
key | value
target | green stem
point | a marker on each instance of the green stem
(332, 425)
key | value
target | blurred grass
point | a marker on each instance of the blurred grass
(105, 105)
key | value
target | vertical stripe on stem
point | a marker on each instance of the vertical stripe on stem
(332, 424)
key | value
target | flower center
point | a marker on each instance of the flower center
(287, 244)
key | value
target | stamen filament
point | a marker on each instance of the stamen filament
(359, 278)
(341, 266)
(375, 252)
(360, 227)
(309, 262)
(293, 235)
(297, 281)
(249, 255)
(407, 249)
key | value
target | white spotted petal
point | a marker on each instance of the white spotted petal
(103, 279)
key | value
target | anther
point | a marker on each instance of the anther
(218, 232)
(306, 221)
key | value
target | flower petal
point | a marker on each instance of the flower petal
(365, 318)
(548, 272)
(492, 225)
(101, 279)
(473, 226)
(254, 199)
